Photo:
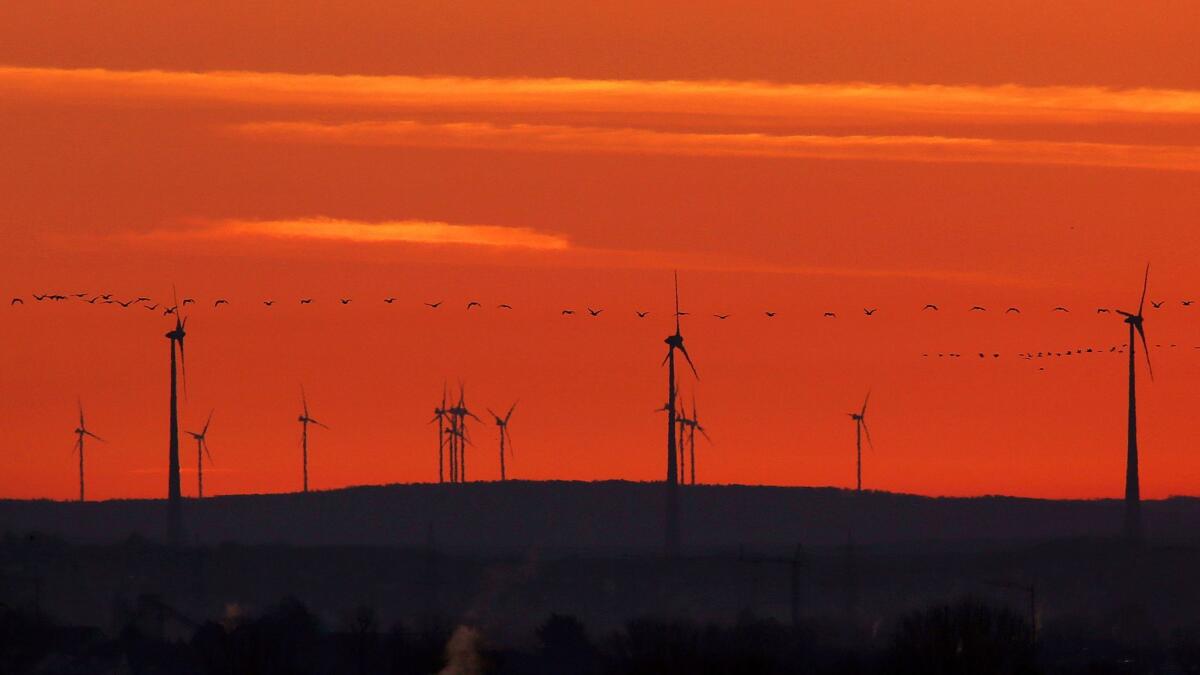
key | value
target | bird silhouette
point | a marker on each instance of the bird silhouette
(678, 313)
(389, 300)
(107, 296)
(1012, 310)
(504, 306)
(1102, 310)
(152, 307)
(434, 305)
(871, 311)
(1061, 309)
(17, 301)
(930, 306)
(78, 295)
(142, 299)
(188, 301)
(93, 300)
(1157, 305)
(769, 314)
(1187, 303)
(473, 303)
(126, 304)
(721, 316)
(977, 308)
(306, 301)
(220, 302)
(831, 315)
(39, 298)
(345, 301)
(640, 313)
(268, 303)
(595, 312)
(169, 310)
(568, 312)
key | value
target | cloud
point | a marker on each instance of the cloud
(831, 104)
(399, 231)
(559, 138)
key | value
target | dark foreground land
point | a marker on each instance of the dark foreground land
(349, 589)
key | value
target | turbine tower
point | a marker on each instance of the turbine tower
(860, 428)
(305, 420)
(693, 425)
(502, 423)
(174, 494)
(674, 343)
(459, 436)
(80, 432)
(201, 450)
(1133, 499)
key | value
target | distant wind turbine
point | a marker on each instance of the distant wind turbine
(674, 343)
(439, 416)
(81, 431)
(1133, 503)
(174, 493)
(201, 450)
(305, 420)
(860, 428)
(502, 423)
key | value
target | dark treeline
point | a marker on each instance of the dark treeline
(967, 637)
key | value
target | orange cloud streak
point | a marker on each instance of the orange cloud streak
(835, 104)
(401, 231)
(559, 138)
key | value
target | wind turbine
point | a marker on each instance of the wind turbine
(201, 450)
(674, 343)
(459, 436)
(80, 432)
(502, 423)
(1133, 503)
(305, 420)
(860, 428)
(439, 416)
(693, 425)
(174, 494)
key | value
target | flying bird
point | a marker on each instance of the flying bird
(473, 303)
(640, 313)
(188, 301)
(930, 306)
(345, 301)
(268, 303)
(568, 312)
(769, 314)
(721, 316)
(1102, 310)
(142, 299)
(126, 304)
(871, 311)
(504, 306)
(306, 301)
(39, 298)
(389, 300)
(594, 312)
(17, 301)
(152, 307)
(1187, 303)
(977, 308)
(79, 295)
(220, 302)
(1012, 310)
(831, 315)
(434, 305)
(169, 310)
(1061, 309)
(1157, 305)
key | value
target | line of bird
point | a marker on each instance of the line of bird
(150, 304)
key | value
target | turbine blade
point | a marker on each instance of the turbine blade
(492, 413)
(304, 400)
(867, 433)
(511, 408)
(207, 453)
(703, 433)
(207, 422)
(1146, 350)
(677, 301)
(689, 361)
(864, 408)
(94, 436)
(80, 403)
(1145, 285)
(323, 426)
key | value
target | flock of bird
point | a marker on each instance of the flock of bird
(151, 305)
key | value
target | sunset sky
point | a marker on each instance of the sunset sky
(792, 157)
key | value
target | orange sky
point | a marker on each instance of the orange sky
(548, 155)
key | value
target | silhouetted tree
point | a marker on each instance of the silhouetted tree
(966, 638)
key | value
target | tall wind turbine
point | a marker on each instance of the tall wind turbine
(174, 494)
(502, 423)
(305, 420)
(80, 432)
(1133, 500)
(201, 450)
(460, 437)
(674, 343)
(693, 425)
(860, 428)
(439, 416)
